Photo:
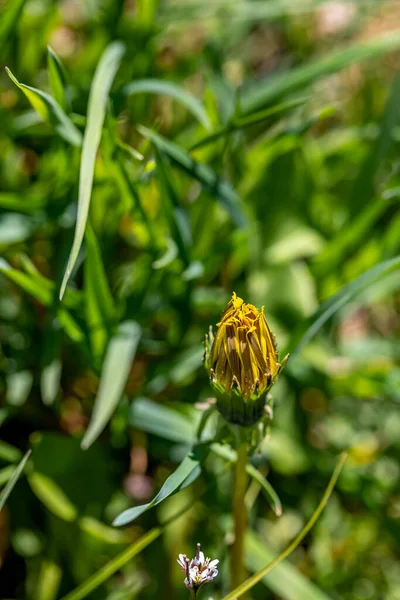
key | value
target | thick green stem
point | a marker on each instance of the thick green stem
(238, 573)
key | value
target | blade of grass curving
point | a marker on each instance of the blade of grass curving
(201, 172)
(286, 581)
(98, 98)
(269, 492)
(99, 303)
(254, 579)
(343, 297)
(58, 80)
(13, 480)
(265, 93)
(9, 19)
(117, 364)
(50, 111)
(183, 476)
(237, 123)
(167, 88)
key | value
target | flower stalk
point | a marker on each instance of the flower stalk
(239, 511)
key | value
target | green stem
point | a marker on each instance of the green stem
(239, 511)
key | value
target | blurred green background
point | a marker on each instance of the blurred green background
(248, 146)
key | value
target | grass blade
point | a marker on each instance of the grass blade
(264, 94)
(254, 579)
(203, 173)
(343, 297)
(98, 98)
(58, 80)
(167, 88)
(99, 303)
(50, 111)
(13, 480)
(117, 364)
(9, 20)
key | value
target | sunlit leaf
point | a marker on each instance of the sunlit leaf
(167, 88)
(99, 91)
(50, 111)
(52, 496)
(117, 364)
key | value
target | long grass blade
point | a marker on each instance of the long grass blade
(98, 98)
(13, 480)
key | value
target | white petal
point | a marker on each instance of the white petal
(213, 563)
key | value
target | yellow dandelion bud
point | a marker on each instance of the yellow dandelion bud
(242, 361)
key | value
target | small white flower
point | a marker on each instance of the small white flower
(198, 570)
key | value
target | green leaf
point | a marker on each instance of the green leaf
(117, 364)
(50, 381)
(166, 88)
(339, 300)
(203, 173)
(50, 111)
(13, 480)
(52, 496)
(264, 94)
(159, 419)
(182, 477)
(58, 80)
(9, 20)
(99, 303)
(98, 98)
(9, 453)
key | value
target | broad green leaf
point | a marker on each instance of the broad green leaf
(52, 496)
(98, 98)
(11, 13)
(167, 88)
(50, 111)
(117, 364)
(161, 420)
(266, 93)
(221, 190)
(13, 480)
(272, 564)
(58, 80)
(99, 303)
(182, 477)
(339, 300)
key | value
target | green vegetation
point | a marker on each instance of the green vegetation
(155, 156)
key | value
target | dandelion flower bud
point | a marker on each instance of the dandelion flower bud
(242, 360)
